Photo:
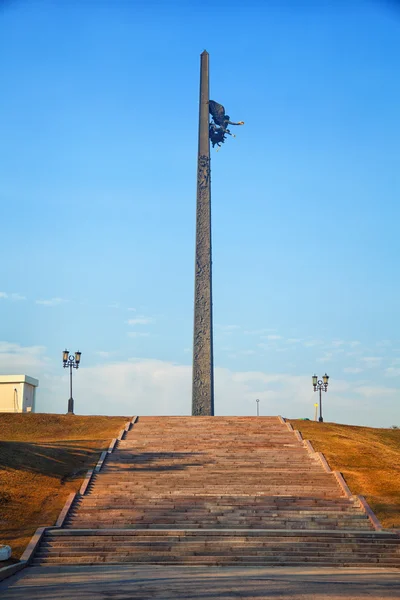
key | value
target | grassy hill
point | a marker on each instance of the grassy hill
(43, 458)
(368, 458)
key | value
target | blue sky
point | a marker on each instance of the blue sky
(98, 122)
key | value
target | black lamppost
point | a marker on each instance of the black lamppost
(71, 361)
(320, 385)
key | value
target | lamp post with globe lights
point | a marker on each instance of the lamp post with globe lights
(320, 385)
(73, 362)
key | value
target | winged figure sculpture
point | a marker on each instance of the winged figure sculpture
(218, 128)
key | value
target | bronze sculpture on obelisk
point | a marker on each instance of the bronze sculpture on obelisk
(203, 362)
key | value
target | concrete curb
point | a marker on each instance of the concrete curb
(369, 512)
(63, 514)
(281, 420)
(86, 482)
(317, 455)
(11, 569)
(309, 446)
(112, 446)
(324, 462)
(298, 435)
(33, 544)
(289, 426)
(343, 484)
(100, 461)
(128, 426)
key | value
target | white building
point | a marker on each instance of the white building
(17, 393)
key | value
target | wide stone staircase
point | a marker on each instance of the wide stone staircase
(216, 491)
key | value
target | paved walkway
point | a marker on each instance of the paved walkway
(120, 582)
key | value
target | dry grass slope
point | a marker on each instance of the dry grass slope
(43, 458)
(369, 459)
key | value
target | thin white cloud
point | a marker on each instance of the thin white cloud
(293, 340)
(376, 391)
(273, 337)
(227, 328)
(384, 344)
(140, 321)
(326, 357)
(258, 331)
(136, 334)
(339, 343)
(392, 371)
(132, 309)
(372, 361)
(104, 353)
(312, 343)
(51, 302)
(352, 370)
(14, 296)
(16, 359)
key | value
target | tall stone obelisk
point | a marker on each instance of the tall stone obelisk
(203, 362)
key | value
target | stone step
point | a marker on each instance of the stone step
(273, 544)
(131, 516)
(107, 512)
(144, 476)
(258, 468)
(342, 560)
(135, 553)
(227, 501)
(386, 536)
(212, 493)
(243, 511)
(216, 523)
(220, 561)
(208, 508)
(126, 520)
(223, 509)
